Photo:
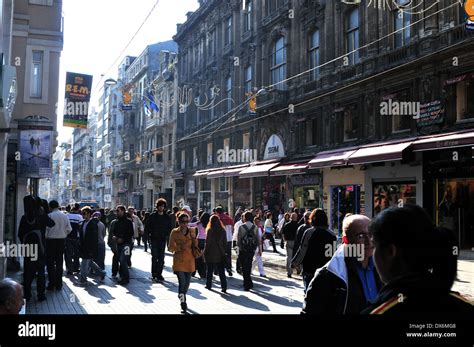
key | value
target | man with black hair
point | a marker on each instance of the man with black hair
(11, 297)
(55, 243)
(229, 230)
(71, 254)
(158, 228)
(247, 241)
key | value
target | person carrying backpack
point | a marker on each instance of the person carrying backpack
(247, 242)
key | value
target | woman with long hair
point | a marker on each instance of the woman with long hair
(417, 262)
(182, 240)
(201, 227)
(214, 251)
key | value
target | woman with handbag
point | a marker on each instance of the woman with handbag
(215, 251)
(184, 246)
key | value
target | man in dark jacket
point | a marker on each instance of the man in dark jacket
(122, 235)
(89, 245)
(158, 228)
(32, 232)
(349, 282)
(312, 252)
(289, 236)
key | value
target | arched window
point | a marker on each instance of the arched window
(401, 21)
(352, 36)
(278, 64)
(314, 59)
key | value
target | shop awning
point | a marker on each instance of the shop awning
(445, 141)
(234, 171)
(331, 158)
(258, 170)
(216, 173)
(289, 169)
(379, 153)
(201, 173)
(178, 175)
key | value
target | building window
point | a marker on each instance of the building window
(402, 21)
(228, 31)
(223, 187)
(248, 16)
(195, 157)
(36, 81)
(211, 43)
(314, 55)
(183, 159)
(170, 142)
(248, 79)
(464, 100)
(401, 122)
(196, 55)
(278, 64)
(311, 132)
(352, 36)
(351, 123)
(209, 153)
(228, 90)
(273, 5)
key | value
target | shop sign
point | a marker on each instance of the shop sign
(274, 148)
(431, 113)
(304, 180)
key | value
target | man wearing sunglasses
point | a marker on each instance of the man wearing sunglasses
(349, 282)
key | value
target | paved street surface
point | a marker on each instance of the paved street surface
(275, 294)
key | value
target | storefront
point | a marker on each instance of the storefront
(306, 191)
(393, 175)
(343, 187)
(448, 192)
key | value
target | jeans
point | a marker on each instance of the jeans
(184, 280)
(221, 270)
(246, 263)
(54, 261)
(86, 265)
(71, 255)
(157, 257)
(289, 256)
(123, 254)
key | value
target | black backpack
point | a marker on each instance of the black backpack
(249, 242)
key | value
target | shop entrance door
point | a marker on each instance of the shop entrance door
(344, 200)
(455, 208)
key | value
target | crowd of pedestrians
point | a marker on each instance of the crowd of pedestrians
(364, 270)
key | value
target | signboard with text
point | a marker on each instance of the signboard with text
(77, 98)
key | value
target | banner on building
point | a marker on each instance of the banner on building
(35, 154)
(77, 98)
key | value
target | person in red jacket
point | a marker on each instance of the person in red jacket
(229, 229)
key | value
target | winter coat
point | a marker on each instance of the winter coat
(180, 246)
(336, 288)
(415, 294)
(89, 239)
(216, 242)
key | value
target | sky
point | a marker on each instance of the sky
(96, 32)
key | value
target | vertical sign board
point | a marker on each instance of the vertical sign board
(77, 98)
(35, 151)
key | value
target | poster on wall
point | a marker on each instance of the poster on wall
(35, 154)
(388, 195)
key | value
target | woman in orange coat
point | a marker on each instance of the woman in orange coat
(180, 244)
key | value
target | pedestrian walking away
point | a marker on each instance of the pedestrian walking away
(215, 252)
